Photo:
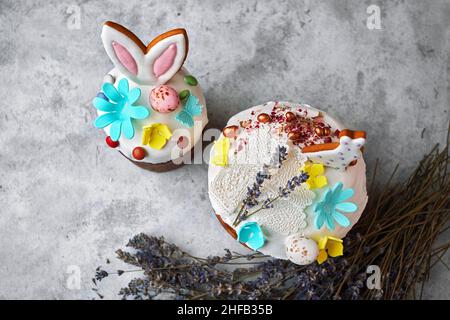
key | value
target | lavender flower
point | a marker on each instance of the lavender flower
(254, 193)
(293, 183)
(282, 154)
(172, 273)
(267, 204)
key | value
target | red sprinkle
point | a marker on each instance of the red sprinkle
(110, 142)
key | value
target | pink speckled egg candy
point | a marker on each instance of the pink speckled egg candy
(164, 99)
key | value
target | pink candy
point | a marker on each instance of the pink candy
(164, 99)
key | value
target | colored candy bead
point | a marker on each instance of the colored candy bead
(138, 153)
(263, 118)
(164, 99)
(319, 131)
(110, 142)
(182, 142)
(184, 94)
(230, 131)
(293, 136)
(109, 79)
(190, 80)
(290, 116)
(245, 124)
(101, 95)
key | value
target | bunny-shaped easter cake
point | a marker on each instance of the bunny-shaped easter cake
(152, 110)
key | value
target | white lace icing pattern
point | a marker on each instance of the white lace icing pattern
(287, 216)
(229, 187)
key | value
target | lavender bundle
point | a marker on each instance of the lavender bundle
(396, 233)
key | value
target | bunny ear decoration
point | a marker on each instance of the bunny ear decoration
(154, 64)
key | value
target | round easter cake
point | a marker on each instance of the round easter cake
(288, 180)
(150, 107)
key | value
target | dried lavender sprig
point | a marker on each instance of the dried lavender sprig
(282, 155)
(254, 192)
(291, 185)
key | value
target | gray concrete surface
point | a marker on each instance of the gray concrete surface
(68, 200)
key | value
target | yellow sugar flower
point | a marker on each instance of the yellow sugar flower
(156, 135)
(316, 177)
(329, 246)
(221, 148)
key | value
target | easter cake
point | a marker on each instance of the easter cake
(151, 108)
(288, 180)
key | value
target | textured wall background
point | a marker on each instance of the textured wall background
(67, 199)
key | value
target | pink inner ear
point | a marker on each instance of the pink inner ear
(165, 60)
(125, 57)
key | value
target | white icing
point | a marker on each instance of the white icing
(354, 177)
(171, 150)
(257, 147)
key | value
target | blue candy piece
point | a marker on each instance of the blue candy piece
(118, 109)
(333, 201)
(191, 109)
(101, 95)
(251, 234)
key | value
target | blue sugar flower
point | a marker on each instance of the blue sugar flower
(333, 200)
(119, 110)
(251, 234)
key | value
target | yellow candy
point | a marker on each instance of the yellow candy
(329, 246)
(156, 135)
(316, 179)
(221, 148)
